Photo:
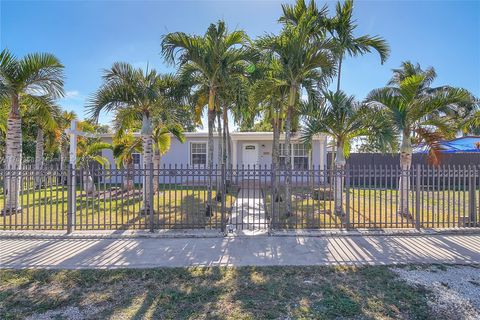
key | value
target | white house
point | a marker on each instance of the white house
(248, 149)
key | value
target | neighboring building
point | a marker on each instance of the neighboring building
(247, 149)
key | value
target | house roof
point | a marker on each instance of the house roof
(469, 144)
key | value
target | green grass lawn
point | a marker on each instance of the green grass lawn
(370, 209)
(174, 207)
(214, 293)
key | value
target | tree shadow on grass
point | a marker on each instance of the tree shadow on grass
(218, 293)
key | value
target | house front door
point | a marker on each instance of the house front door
(250, 154)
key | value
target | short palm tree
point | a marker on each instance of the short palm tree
(89, 152)
(138, 94)
(343, 119)
(24, 81)
(165, 124)
(304, 65)
(204, 62)
(418, 114)
(123, 148)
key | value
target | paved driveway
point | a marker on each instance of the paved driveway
(237, 251)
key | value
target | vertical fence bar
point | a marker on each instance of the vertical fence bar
(347, 197)
(150, 196)
(417, 197)
(471, 198)
(223, 199)
(70, 199)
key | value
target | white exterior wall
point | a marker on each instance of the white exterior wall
(179, 153)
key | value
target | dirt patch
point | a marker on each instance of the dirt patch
(455, 290)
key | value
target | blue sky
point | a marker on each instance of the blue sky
(89, 36)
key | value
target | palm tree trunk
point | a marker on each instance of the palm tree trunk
(13, 158)
(404, 180)
(156, 165)
(63, 159)
(219, 143)
(338, 174)
(288, 158)
(339, 72)
(128, 182)
(219, 156)
(88, 184)
(229, 146)
(211, 122)
(275, 155)
(226, 151)
(147, 159)
(39, 152)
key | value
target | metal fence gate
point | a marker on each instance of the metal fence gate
(238, 199)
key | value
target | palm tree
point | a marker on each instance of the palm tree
(138, 96)
(304, 64)
(342, 27)
(162, 136)
(269, 97)
(418, 114)
(124, 146)
(204, 61)
(44, 115)
(24, 80)
(343, 119)
(88, 152)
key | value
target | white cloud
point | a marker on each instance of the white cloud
(72, 94)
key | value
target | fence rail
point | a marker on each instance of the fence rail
(242, 198)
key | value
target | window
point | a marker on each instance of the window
(282, 156)
(136, 158)
(299, 159)
(300, 156)
(198, 153)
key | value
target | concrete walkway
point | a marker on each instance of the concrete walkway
(248, 213)
(76, 253)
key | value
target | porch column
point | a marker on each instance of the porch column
(234, 153)
(323, 154)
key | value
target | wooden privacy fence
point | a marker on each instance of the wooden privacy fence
(186, 197)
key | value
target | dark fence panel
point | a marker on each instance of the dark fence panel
(241, 198)
(379, 159)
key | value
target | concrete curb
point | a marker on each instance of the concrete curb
(175, 234)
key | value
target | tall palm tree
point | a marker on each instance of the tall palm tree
(44, 115)
(139, 94)
(418, 114)
(342, 27)
(24, 80)
(304, 65)
(204, 61)
(343, 119)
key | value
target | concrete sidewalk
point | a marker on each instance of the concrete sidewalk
(105, 253)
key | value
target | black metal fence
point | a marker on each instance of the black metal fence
(240, 198)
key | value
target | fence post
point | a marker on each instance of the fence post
(472, 203)
(273, 197)
(70, 198)
(417, 197)
(224, 196)
(150, 199)
(347, 197)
